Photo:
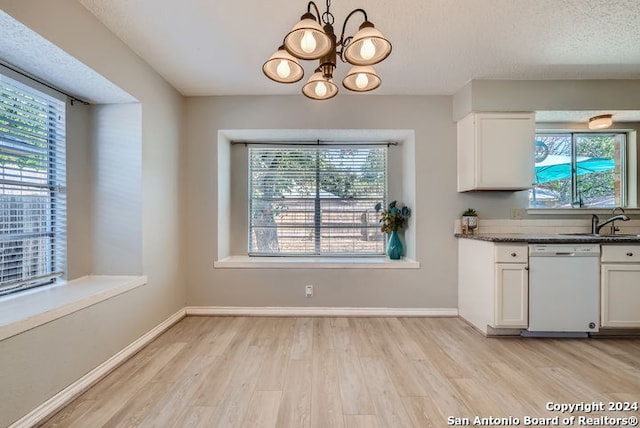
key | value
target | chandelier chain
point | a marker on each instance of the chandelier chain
(327, 17)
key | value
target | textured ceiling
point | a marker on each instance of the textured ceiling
(28, 51)
(217, 47)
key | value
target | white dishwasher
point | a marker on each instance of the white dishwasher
(564, 284)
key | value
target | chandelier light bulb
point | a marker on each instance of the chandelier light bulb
(321, 89)
(362, 80)
(368, 49)
(308, 42)
(283, 69)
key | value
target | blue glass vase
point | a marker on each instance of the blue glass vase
(394, 246)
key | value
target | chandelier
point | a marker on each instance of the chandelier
(308, 40)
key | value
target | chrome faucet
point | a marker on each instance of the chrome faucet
(615, 229)
(596, 225)
(616, 209)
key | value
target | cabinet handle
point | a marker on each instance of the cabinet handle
(515, 254)
(526, 268)
(630, 254)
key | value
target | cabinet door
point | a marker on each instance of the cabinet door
(511, 295)
(466, 153)
(620, 295)
(505, 151)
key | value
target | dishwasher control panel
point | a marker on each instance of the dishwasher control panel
(564, 250)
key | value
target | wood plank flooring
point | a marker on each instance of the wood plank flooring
(351, 372)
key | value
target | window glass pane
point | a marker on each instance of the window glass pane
(316, 201)
(552, 172)
(598, 163)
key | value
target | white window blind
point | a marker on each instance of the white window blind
(316, 200)
(32, 187)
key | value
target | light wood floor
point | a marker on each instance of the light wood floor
(350, 372)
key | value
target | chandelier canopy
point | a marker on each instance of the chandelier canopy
(309, 39)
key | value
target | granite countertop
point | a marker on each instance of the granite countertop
(552, 239)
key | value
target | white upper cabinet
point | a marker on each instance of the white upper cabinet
(496, 151)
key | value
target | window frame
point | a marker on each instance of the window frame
(53, 258)
(574, 135)
(318, 200)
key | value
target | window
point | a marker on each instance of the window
(579, 170)
(32, 187)
(317, 200)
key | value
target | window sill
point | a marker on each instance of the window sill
(577, 211)
(23, 311)
(246, 262)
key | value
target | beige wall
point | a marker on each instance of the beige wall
(116, 191)
(38, 363)
(534, 95)
(79, 190)
(436, 204)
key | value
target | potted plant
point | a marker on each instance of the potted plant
(469, 220)
(393, 219)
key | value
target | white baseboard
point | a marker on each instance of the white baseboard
(320, 312)
(64, 397)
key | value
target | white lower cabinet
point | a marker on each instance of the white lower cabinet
(620, 286)
(493, 284)
(512, 291)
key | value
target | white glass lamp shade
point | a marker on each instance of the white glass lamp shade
(307, 39)
(282, 67)
(367, 47)
(361, 79)
(601, 122)
(319, 88)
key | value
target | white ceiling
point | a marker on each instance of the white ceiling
(217, 47)
(25, 50)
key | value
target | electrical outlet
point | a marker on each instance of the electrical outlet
(516, 213)
(308, 290)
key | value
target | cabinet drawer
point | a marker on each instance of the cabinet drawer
(621, 253)
(510, 253)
